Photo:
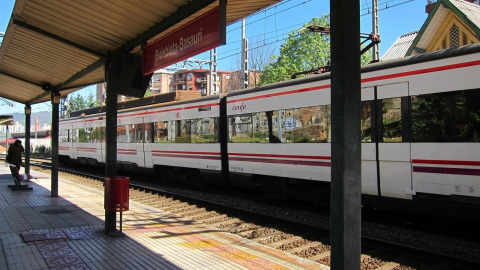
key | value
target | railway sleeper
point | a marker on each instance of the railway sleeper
(231, 221)
(394, 263)
(267, 236)
(298, 250)
(320, 256)
(243, 227)
(285, 241)
(215, 220)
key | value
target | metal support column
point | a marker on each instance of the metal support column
(28, 116)
(346, 148)
(375, 48)
(54, 138)
(111, 147)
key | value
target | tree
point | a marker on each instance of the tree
(303, 50)
(77, 103)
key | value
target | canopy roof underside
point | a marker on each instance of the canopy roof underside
(65, 43)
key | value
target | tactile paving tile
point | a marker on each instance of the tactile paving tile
(58, 255)
(77, 233)
(41, 236)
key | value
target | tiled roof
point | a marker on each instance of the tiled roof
(471, 11)
(399, 47)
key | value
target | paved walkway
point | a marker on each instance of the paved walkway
(67, 232)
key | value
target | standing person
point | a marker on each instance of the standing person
(14, 156)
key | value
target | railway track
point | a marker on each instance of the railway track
(295, 237)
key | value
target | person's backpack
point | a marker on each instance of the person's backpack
(8, 158)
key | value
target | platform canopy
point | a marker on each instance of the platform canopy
(63, 45)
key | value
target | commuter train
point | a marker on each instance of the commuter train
(420, 130)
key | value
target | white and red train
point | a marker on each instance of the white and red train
(420, 132)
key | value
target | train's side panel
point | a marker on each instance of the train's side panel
(302, 161)
(447, 168)
(168, 152)
(75, 149)
(428, 77)
(436, 168)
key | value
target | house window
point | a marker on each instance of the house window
(190, 76)
(464, 39)
(454, 36)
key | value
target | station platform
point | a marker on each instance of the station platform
(38, 231)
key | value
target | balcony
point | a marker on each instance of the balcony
(201, 80)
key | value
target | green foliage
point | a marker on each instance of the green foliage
(303, 50)
(76, 103)
(39, 149)
(148, 92)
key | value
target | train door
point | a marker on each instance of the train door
(65, 146)
(97, 137)
(143, 138)
(75, 136)
(393, 140)
(369, 147)
(147, 142)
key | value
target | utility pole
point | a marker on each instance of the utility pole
(244, 61)
(212, 89)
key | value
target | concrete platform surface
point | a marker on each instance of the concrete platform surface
(38, 231)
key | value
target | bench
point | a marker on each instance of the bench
(16, 179)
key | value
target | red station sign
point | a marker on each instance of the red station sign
(200, 35)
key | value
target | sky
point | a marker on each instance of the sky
(271, 27)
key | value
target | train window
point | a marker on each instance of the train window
(121, 134)
(241, 129)
(277, 134)
(99, 134)
(130, 132)
(308, 125)
(446, 117)
(161, 132)
(63, 135)
(183, 131)
(204, 130)
(81, 135)
(139, 133)
(392, 119)
(366, 123)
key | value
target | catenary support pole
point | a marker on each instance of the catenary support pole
(54, 138)
(28, 117)
(111, 147)
(346, 148)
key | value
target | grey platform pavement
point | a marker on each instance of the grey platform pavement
(68, 232)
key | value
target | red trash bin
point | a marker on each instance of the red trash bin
(116, 193)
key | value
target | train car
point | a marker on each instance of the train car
(158, 138)
(420, 131)
(420, 127)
